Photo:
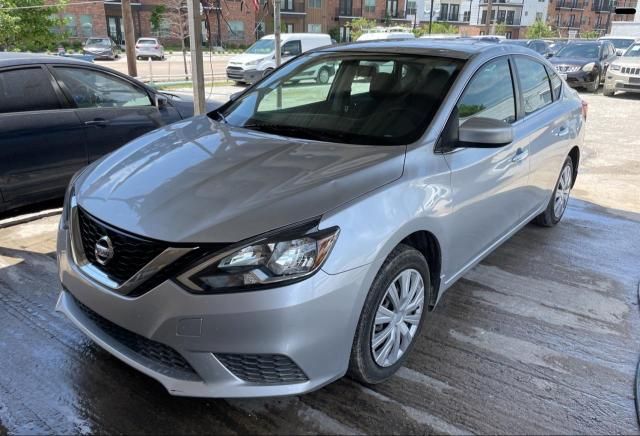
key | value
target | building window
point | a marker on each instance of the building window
(86, 25)
(454, 12)
(538, 16)
(236, 29)
(314, 28)
(369, 5)
(502, 16)
(484, 17)
(288, 27)
(444, 11)
(572, 20)
(466, 16)
(511, 18)
(316, 4)
(411, 7)
(345, 33)
(70, 25)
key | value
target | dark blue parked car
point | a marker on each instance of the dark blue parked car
(59, 114)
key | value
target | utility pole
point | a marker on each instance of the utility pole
(276, 29)
(431, 17)
(129, 38)
(197, 68)
(489, 24)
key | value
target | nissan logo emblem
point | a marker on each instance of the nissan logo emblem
(104, 250)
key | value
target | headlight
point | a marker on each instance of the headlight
(252, 63)
(615, 67)
(587, 68)
(266, 262)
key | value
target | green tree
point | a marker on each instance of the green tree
(156, 17)
(436, 28)
(500, 29)
(592, 34)
(360, 26)
(29, 24)
(540, 30)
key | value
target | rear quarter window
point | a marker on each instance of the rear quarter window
(26, 89)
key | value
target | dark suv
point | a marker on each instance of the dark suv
(583, 64)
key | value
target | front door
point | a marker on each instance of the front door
(487, 183)
(42, 143)
(115, 30)
(112, 110)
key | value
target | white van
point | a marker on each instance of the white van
(259, 59)
(375, 36)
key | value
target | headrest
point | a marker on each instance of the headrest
(381, 85)
(435, 82)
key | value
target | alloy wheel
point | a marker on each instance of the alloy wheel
(562, 192)
(398, 317)
(323, 76)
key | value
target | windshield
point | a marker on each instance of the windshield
(633, 51)
(591, 51)
(147, 42)
(521, 42)
(347, 98)
(620, 43)
(99, 41)
(263, 46)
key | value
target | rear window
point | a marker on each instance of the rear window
(147, 42)
(26, 89)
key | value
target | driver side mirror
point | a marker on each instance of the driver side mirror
(619, 52)
(485, 133)
(286, 53)
(161, 101)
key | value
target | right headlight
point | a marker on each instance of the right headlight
(588, 67)
(268, 261)
(615, 67)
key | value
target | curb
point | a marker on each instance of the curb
(22, 219)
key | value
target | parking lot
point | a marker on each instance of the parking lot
(541, 337)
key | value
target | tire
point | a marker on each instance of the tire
(552, 215)
(595, 85)
(608, 92)
(364, 363)
(323, 76)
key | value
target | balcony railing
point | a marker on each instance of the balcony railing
(348, 11)
(602, 6)
(570, 4)
(508, 22)
(568, 25)
(397, 15)
(503, 2)
(293, 7)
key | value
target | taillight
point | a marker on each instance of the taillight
(137, 46)
(585, 109)
(157, 46)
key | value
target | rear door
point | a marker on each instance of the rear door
(112, 110)
(41, 141)
(487, 183)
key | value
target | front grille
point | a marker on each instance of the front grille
(164, 359)
(266, 369)
(130, 253)
(235, 73)
(567, 68)
(630, 70)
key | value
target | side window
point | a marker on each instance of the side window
(26, 89)
(489, 94)
(90, 88)
(556, 84)
(534, 81)
(293, 47)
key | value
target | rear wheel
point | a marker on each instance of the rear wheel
(323, 75)
(392, 316)
(560, 197)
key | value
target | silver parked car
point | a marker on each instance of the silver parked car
(304, 231)
(101, 48)
(149, 48)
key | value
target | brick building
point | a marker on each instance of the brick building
(580, 16)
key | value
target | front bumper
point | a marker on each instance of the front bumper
(239, 74)
(310, 323)
(101, 55)
(617, 81)
(581, 79)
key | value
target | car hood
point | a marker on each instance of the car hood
(628, 61)
(201, 181)
(246, 57)
(571, 61)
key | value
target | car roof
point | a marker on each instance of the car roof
(461, 48)
(9, 59)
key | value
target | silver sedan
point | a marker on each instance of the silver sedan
(149, 48)
(304, 231)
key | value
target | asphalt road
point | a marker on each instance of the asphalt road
(542, 337)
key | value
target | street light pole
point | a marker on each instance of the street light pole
(195, 43)
(430, 17)
(276, 30)
(129, 38)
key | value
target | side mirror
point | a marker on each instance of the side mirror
(619, 52)
(161, 101)
(286, 53)
(548, 55)
(485, 133)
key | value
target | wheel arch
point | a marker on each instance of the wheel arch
(429, 246)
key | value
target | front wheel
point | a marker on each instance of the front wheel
(559, 199)
(323, 76)
(392, 316)
(267, 72)
(595, 85)
(608, 92)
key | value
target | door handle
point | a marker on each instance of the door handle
(562, 131)
(97, 122)
(521, 154)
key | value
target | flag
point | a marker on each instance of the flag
(256, 4)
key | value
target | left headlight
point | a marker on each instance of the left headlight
(615, 67)
(266, 262)
(588, 67)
